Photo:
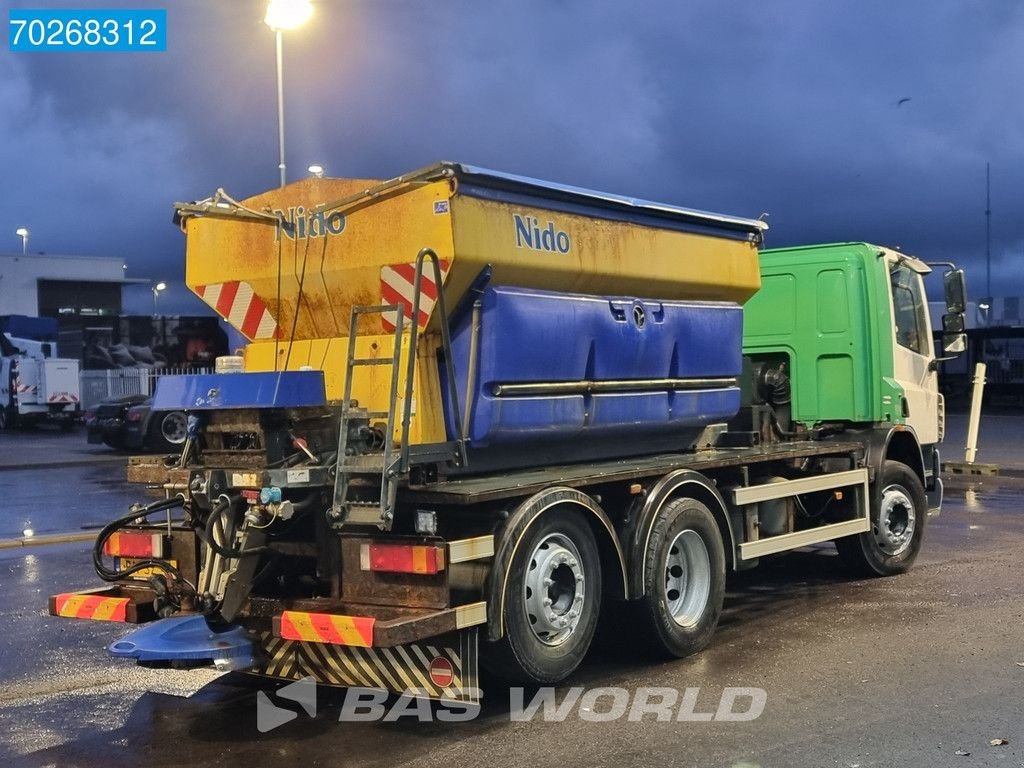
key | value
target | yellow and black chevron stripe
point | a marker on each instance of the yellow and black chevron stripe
(281, 659)
(445, 669)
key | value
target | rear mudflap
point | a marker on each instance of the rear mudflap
(444, 668)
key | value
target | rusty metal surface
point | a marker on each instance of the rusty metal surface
(268, 607)
(151, 470)
(338, 266)
(412, 590)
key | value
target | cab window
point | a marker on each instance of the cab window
(909, 309)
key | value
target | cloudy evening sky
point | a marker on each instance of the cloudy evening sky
(791, 108)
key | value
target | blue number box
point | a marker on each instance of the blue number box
(87, 30)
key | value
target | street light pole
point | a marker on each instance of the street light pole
(280, 105)
(282, 15)
(988, 230)
(22, 232)
(156, 289)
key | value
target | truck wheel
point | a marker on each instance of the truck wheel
(899, 511)
(8, 419)
(168, 431)
(552, 600)
(684, 579)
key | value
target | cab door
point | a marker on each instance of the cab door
(913, 350)
(5, 382)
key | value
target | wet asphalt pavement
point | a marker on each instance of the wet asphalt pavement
(64, 500)
(903, 671)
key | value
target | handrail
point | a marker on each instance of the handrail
(446, 344)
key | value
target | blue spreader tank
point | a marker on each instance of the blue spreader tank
(566, 368)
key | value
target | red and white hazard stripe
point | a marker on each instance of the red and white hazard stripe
(396, 287)
(237, 303)
(63, 397)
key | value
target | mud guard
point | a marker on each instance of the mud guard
(442, 668)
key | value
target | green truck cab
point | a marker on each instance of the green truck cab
(840, 344)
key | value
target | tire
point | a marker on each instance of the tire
(167, 431)
(544, 644)
(898, 514)
(9, 417)
(684, 579)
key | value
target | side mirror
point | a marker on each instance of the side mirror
(956, 290)
(954, 343)
(954, 340)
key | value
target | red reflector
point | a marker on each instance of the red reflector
(134, 545)
(404, 558)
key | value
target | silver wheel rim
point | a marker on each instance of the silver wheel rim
(554, 589)
(174, 428)
(897, 521)
(687, 578)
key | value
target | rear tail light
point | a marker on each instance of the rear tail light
(134, 545)
(133, 415)
(401, 558)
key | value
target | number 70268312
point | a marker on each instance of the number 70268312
(87, 30)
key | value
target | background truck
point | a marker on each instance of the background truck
(479, 412)
(34, 385)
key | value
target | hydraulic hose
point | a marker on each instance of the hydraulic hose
(206, 535)
(111, 528)
(306, 503)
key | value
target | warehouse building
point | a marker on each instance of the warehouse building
(61, 286)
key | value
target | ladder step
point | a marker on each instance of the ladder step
(371, 361)
(346, 413)
(371, 463)
(375, 310)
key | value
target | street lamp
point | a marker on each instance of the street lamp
(282, 15)
(985, 310)
(157, 290)
(316, 170)
(23, 234)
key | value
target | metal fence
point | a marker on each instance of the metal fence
(97, 386)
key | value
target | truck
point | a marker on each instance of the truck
(35, 385)
(479, 412)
